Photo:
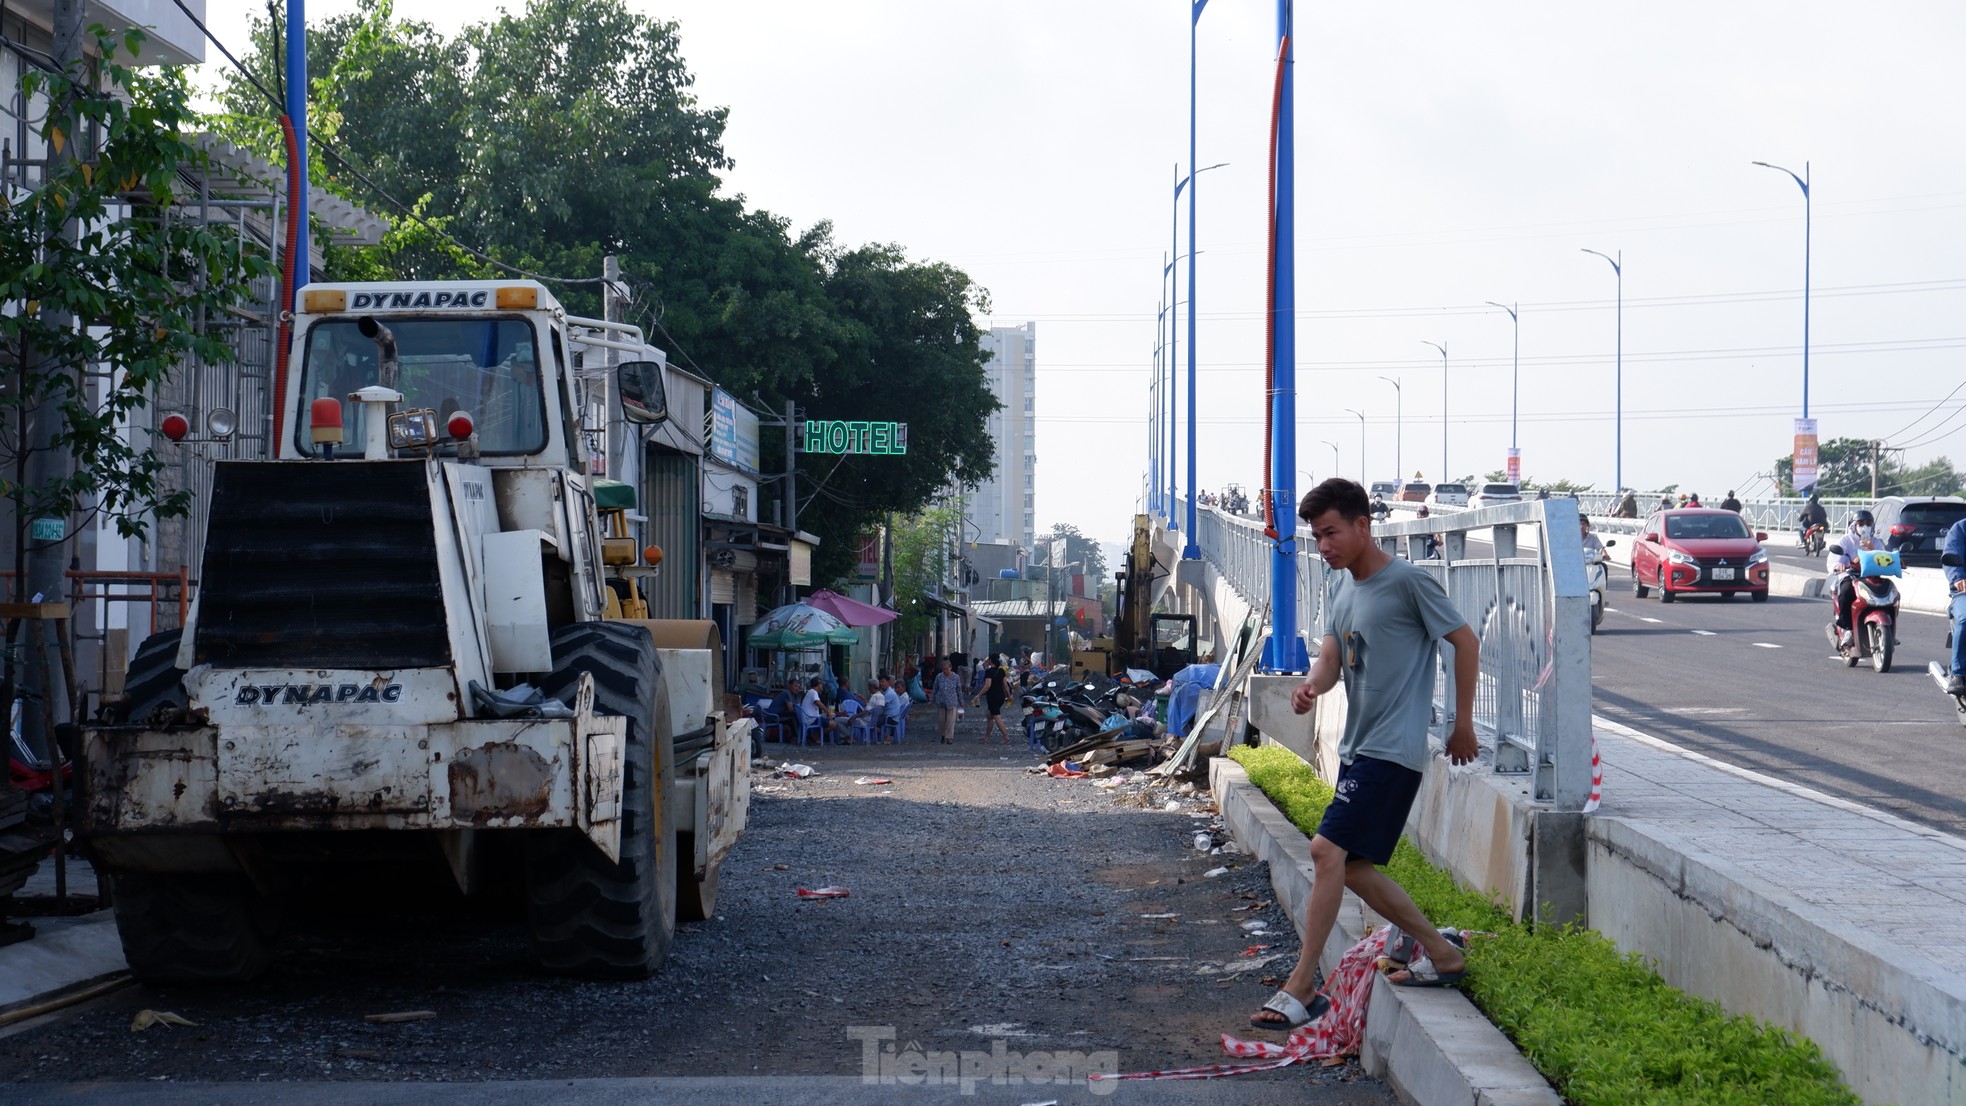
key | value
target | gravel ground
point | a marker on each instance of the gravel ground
(989, 905)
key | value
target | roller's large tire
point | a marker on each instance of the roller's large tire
(696, 899)
(592, 916)
(154, 678)
(193, 929)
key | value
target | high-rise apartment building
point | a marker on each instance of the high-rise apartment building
(1004, 507)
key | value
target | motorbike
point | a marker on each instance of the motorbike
(1812, 539)
(1873, 612)
(1600, 577)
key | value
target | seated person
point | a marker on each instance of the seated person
(811, 712)
(840, 725)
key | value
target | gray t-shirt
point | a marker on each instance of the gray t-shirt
(1388, 628)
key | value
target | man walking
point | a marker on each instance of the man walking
(1386, 618)
(948, 697)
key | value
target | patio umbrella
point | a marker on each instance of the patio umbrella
(799, 626)
(850, 611)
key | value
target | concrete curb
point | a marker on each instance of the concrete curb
(1433, 1046)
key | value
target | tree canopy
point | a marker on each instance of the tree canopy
(1843, 469)
(552, 137)
(94, 276)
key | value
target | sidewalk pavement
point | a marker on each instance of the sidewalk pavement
(65, 954)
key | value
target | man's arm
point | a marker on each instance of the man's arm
(1461, 745)
(1322, 678)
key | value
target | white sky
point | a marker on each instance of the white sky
(1448, 154)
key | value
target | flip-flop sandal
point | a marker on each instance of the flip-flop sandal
(1402, 947)
(1422, 973)
(1294, 1013)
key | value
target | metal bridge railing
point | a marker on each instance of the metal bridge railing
(1526, 599)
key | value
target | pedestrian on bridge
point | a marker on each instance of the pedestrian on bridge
(1385, 620)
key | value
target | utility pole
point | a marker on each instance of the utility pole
(1875, 451)
(791, 504)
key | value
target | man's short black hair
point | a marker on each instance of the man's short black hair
(1347, 497)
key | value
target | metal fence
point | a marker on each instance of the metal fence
(1762, 514)
(1526, 599)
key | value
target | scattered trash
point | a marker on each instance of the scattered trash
(1109, 785)
(1066, 772)
(1046, 1102)
(1171, 805)
(1160, 916)
(1230, 847)
(797, 771)
(873, 780)
(1255, 927)
(400, 1016)
(1186, 789)
(824, 893)
(1254, 949)
(769, 789)
(1204, 842)
(1213, 872)
(147, 1018)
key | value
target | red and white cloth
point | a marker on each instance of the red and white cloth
(1339, 1033)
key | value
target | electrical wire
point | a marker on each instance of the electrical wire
(1928, 413)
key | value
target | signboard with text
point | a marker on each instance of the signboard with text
(1804, 478)
(733, 435)
(870, 438)
(1515, 466)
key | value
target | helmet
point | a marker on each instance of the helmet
(1863, 518)
(1423, 512)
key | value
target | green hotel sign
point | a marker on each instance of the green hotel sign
(878, 438)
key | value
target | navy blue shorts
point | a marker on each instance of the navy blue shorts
(1368, 813)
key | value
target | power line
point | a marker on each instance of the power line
(1928, 413)
(1821, 349)
(1949, 284)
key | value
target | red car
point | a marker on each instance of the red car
(1699, 550)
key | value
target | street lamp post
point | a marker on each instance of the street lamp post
(1443, 411)
(1172, 272)
(1399, 428)
(1174, 329)
(1802, 182)
(1515, 387)
(1192, 552)
(1362, 476)
(1285, 650)
(1618, 435)
(1334, 459)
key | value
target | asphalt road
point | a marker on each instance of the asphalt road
(1027, 923)
(1757, 685)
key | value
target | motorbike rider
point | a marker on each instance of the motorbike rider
(1813, 514)
(1593, 545)
(1378, 507)
(1862, 536)
(1955, 544)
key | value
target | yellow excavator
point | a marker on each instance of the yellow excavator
(1160, 643)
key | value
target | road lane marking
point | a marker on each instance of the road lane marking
(1766, 645)
(1705, 633)
(1645, 618)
